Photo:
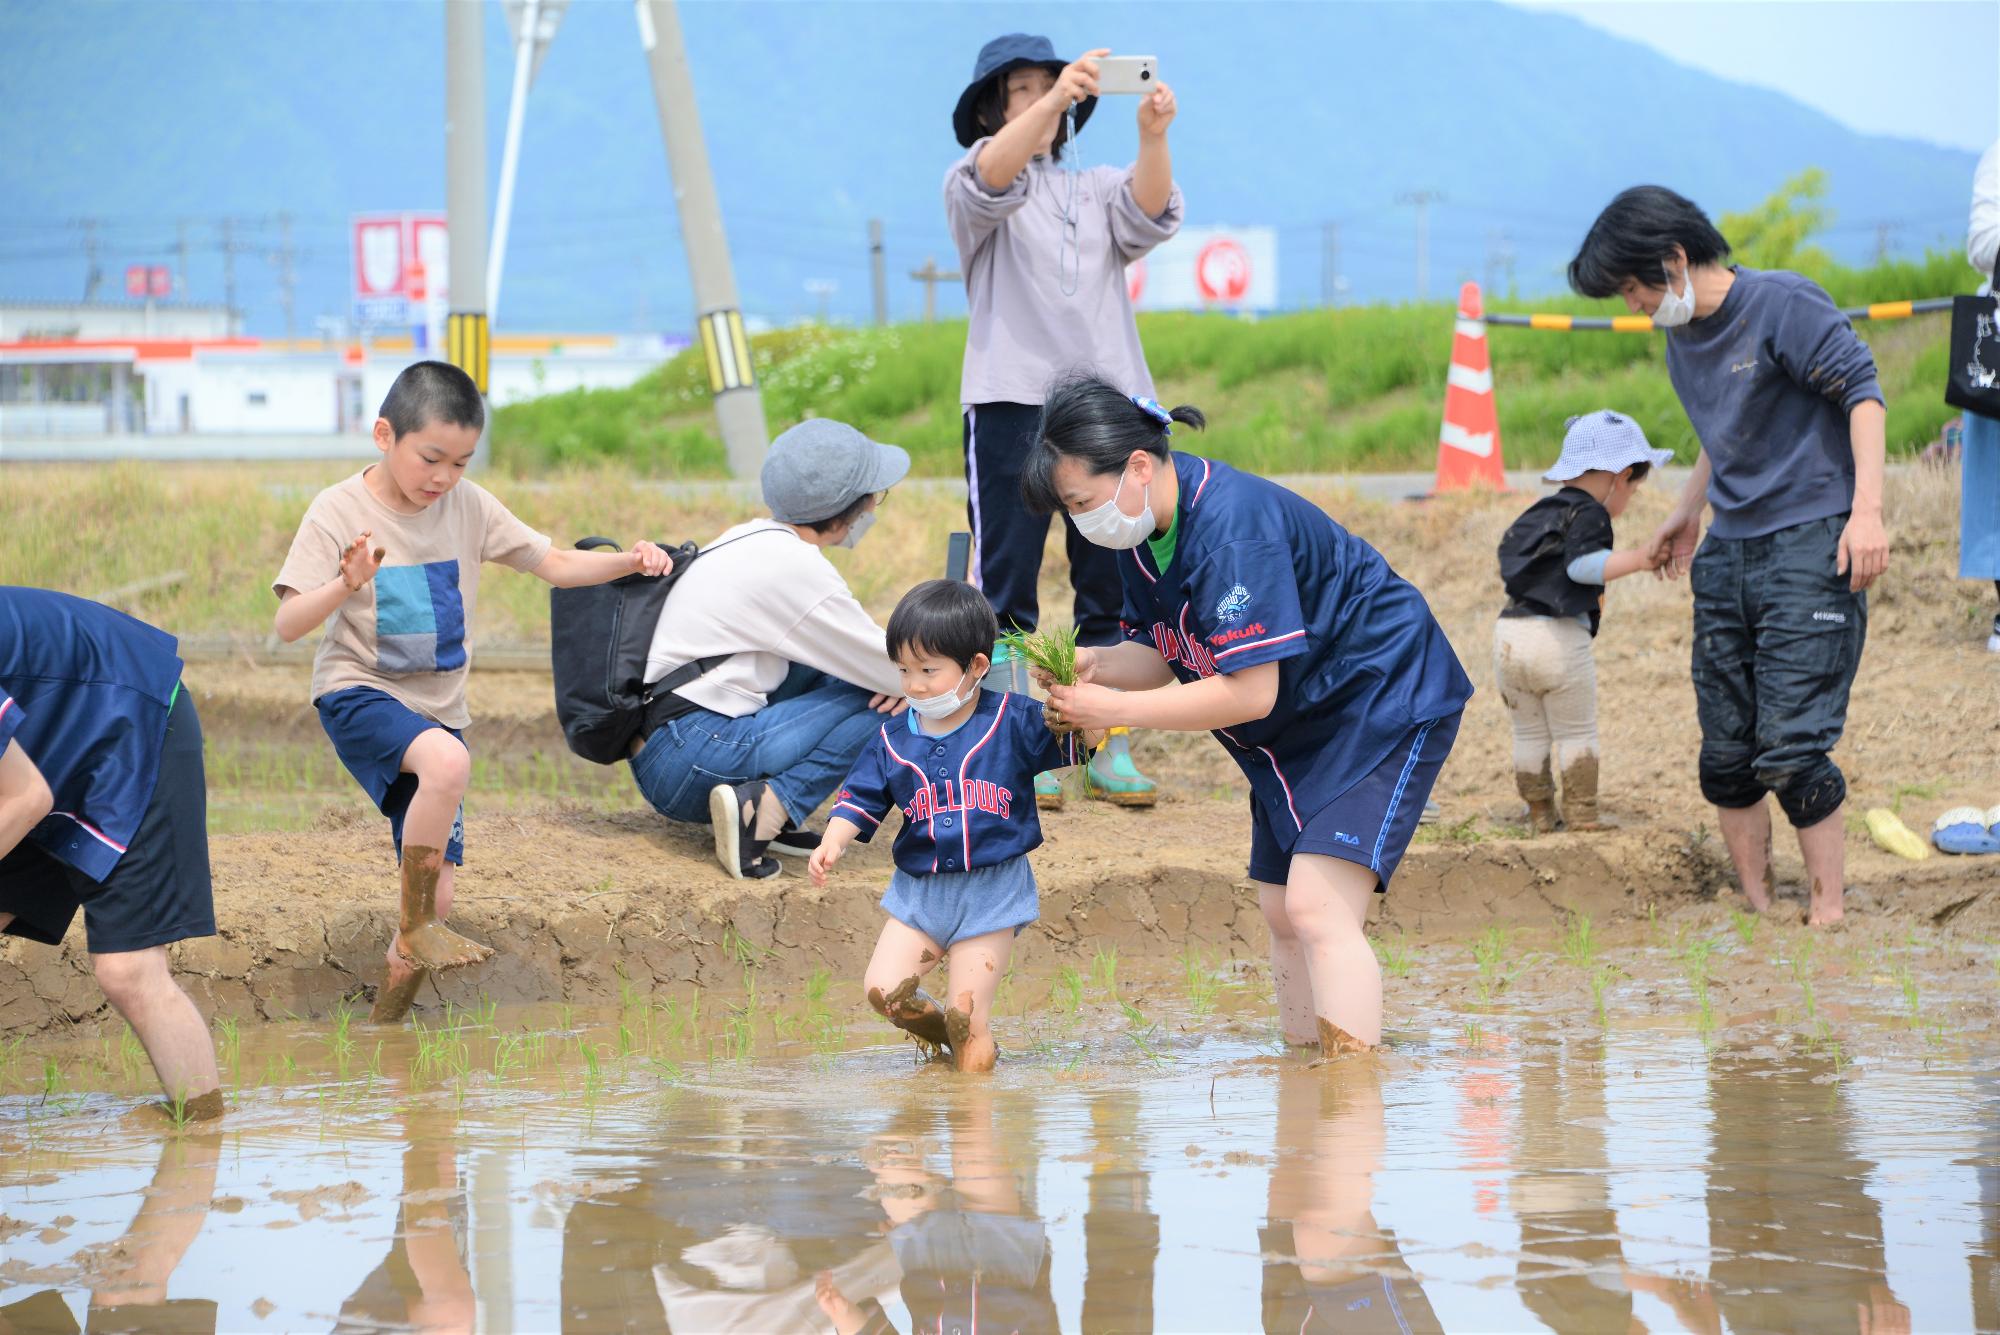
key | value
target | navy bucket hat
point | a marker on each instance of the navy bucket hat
(998, 58)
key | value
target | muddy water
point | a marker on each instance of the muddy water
(1147, 1157)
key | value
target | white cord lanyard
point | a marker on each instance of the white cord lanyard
(1068, 276)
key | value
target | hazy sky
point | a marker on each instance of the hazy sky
(1923, 69)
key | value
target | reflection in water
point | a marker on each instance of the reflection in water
(722, 1232)
(1570, 1271)
(1328, 1265)
(1986, 1164)
(422, 1284)
(858, 1195)
(1797, 1241)
(1121, 1234)
(132, 1295)
(974, 1255)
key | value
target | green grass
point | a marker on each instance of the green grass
(1347, 389)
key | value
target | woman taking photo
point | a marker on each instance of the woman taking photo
(1043, 247)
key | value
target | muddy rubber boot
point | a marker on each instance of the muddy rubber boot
(1113, 778)
(1579, 796)
(1538, 790)
(1048, 791)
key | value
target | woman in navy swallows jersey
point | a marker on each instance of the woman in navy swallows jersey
(1250, 613)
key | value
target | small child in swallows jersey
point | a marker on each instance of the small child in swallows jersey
(961, 764)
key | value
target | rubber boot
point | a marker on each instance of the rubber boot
(1112, 777)
(1579, 794)
(1538, 790)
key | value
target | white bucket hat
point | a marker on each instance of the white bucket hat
(1603, 440)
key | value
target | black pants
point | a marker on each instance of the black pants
(1777, 639)
(1007, 541)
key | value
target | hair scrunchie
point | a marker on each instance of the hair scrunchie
(1152, 409)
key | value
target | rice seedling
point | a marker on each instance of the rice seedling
(1475, 1033)
(229, 1040)
(1746, 925)
(1906, 982)
(1395, 957)
(1066, 993)
(1104, 970)
(1051, 650)
(10, 1054)
(1601, 979)
(669, 1071)
(341, 1041)
(747, 954)
(1203, 984)
(1579, 941)
(1489, 956)
(131, 1053)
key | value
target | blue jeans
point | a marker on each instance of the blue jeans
(803, 742)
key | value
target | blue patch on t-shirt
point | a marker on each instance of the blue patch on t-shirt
(419, 618)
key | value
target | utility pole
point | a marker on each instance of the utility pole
(1884, 233)
(467, 345)
(930, 276)
(880, 269)
(1422, 199)
(534, 25)
(822, 288)
(739, 406)
(287, 275)
(1499, 262)
(229, 274)
(181, 250)
(93, 276)
(1329, 264)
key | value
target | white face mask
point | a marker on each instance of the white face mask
(860, 526)
(1676, 309)
(1109, 526)
(944, 706)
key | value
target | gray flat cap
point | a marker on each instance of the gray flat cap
(820, 467)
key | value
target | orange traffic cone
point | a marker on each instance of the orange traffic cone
(1469, 440)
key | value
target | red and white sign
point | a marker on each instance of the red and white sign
(1208, 268)
(149, 280)
(392, 253)
(1222, 271)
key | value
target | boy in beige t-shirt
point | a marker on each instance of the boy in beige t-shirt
(389, 561)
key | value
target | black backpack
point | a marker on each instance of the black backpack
(599, 640)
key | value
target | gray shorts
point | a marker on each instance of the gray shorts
(953, 906)
(1777, 640)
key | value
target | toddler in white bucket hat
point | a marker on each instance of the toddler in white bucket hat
(1555, 561)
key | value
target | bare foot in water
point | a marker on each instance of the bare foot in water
(1337, 1042)
(972, 1052)
(433, 945)
(1824, 909)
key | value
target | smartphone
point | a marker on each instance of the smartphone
(1127, 74)
(957, 556)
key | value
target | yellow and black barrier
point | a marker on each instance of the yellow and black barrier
(1641, 324)
(468, 345)
(727, 351)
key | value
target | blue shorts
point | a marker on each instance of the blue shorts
(953, 906)
(371, 730)
(1372, 821)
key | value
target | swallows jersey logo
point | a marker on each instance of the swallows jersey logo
(1231, 608)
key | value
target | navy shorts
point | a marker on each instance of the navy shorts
(371, 730)
(160, 890)
(1372, 822)
(953, 906)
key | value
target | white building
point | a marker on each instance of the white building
(92, 371)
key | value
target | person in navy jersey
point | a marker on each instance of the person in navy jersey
(1318, 668)
(961, 766)
(103, 807)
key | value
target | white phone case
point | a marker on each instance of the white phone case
(1127, 74)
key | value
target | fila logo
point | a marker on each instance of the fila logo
(1837, 618)
(1740, 367)
(1353, 841)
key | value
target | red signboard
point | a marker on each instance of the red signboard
(1222, 271)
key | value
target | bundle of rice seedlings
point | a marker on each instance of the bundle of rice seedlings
(1049, 651)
